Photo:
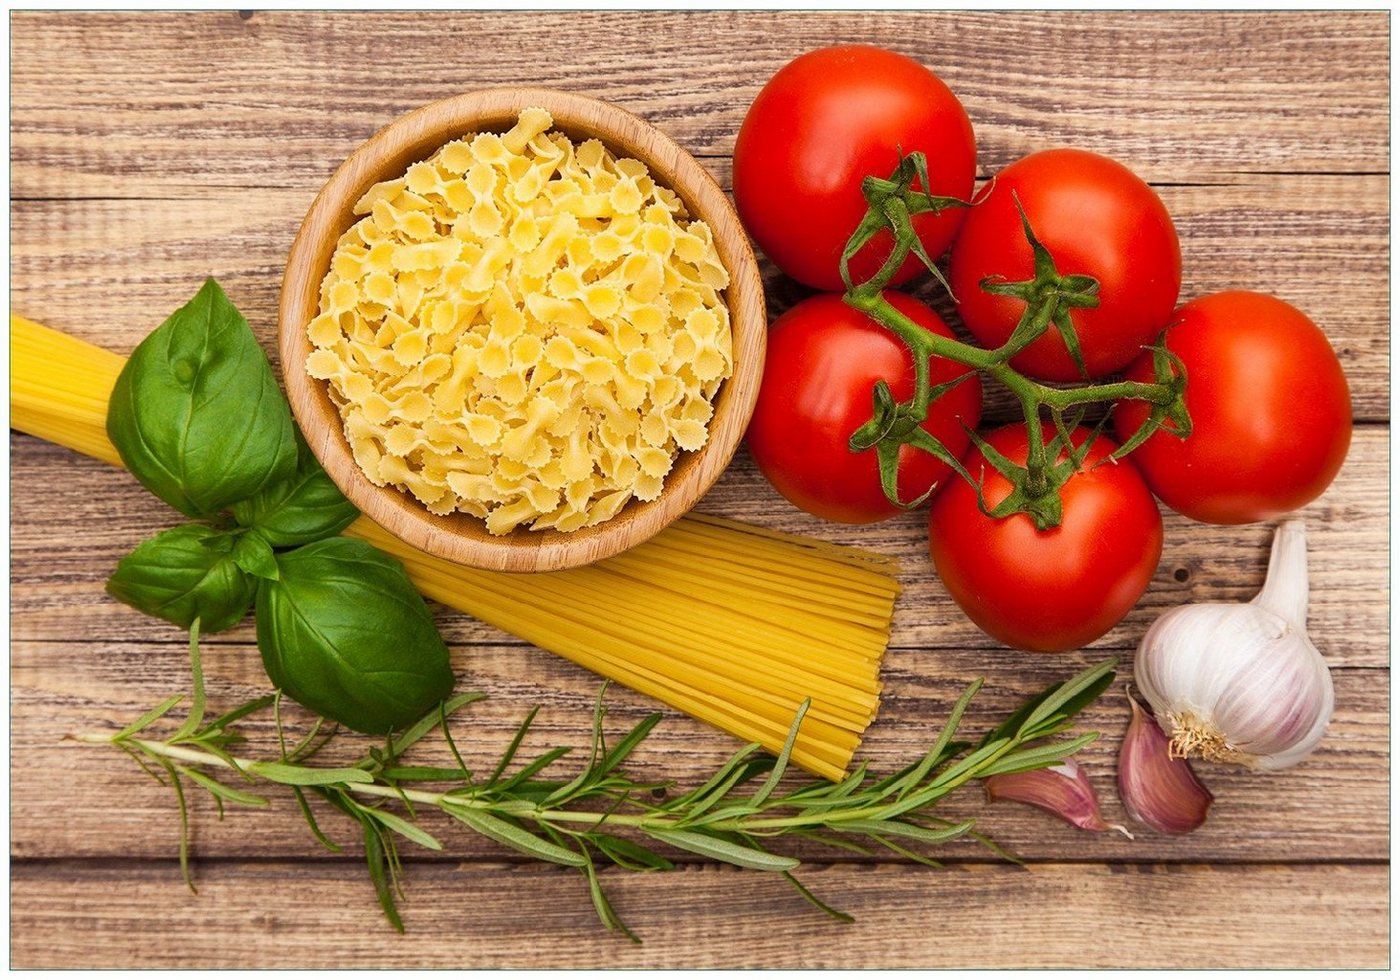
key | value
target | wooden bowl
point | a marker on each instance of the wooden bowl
(461, 537)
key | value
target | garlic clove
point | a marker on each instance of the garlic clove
(1158, 788)
(1062, 790)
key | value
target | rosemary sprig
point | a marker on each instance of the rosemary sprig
(600, 816)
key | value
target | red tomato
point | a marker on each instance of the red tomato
(1096, 218)
(824, 123)
(1048, 590)
(1269, 405)
(823, 360)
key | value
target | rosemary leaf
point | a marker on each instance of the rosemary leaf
(1067, 699)
(513, 835)
(807, 894)
(598, 746)
(415, 732)
(214, 746)
(447, 737)
(898, 828)
(310, 817)
(184, 823)
(145, 721)
(307, 748)
(220, 791)
(196, 715)
(242, 711)
(1039, 757)
(724, 773)
(995, 848)
(141, 762)
(722, 850)
(606, 914)
(377, 860)
(826, 792)
(905, 852)
(403, 827)
(514, 746)
(619, 752)
(945, 737)
(1076, 693)
(780, 766)
(746, 770)
(629, 854)
(279, 772)
(531, 768)
(954, 774)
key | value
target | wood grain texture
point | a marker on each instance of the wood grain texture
(462, 537)
(57, 577)
(136, 171)
(1321, 243)
(1207, 96)
(1065, 916)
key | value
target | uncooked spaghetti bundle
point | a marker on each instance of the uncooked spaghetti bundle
(734, 625)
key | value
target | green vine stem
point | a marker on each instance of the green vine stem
(1049, 297)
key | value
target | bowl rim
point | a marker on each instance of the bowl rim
(460, 537)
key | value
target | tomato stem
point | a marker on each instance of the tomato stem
(1049, 297)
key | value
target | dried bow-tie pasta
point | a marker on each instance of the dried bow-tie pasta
(523, 329)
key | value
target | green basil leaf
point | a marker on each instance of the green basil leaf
(253, 554)
(196, 413)
(302, 508)
(343, 632)
(184, 574)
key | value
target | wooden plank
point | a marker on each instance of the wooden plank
(1333, 806)
(78, 914)
(1319, 242)
(1189, 96)
(57, 574)
(136, 171)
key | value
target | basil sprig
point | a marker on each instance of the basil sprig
(333, 628)
(184, 574)
(198, 418)
(304, 507)
(196, 413)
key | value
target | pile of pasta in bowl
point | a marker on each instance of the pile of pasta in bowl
(523, 329)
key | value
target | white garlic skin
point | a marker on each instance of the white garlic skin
(1261, 683)
(1245, 672)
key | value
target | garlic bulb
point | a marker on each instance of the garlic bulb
(1241, 682)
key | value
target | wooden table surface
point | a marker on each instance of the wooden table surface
(152, 150)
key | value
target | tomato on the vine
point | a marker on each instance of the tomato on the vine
(826, 121)
(822, 363)
(1050, 590)
(1097, 218)
(1269, 405)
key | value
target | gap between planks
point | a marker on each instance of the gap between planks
(707, 158)
(355, 859)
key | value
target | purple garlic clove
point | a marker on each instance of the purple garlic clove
(1062, 790)
(1158, 788)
